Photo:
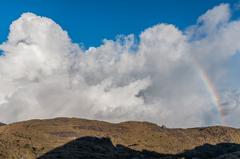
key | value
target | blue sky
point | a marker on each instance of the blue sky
(90, 21)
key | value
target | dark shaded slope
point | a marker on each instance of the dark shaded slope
(102, 148)
(97, 148)
(208, 151)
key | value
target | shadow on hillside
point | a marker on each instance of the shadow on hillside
(102, 148)
(208, 151)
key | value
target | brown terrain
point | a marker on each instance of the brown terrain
(70, 138)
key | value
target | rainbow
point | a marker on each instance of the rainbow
(212, 90)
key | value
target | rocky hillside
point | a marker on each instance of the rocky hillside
(80, 138)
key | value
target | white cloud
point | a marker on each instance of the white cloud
(213, 19)
(43, 74)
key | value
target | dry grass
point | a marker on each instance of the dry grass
(33, 138)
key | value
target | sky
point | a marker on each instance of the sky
(171, 63)
(90, 21)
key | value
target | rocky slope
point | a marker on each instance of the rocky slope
(80, 138)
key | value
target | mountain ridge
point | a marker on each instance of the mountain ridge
(33, 138)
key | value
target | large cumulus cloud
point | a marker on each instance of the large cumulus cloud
(44, 74)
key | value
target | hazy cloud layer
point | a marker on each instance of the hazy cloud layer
(44, 74)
